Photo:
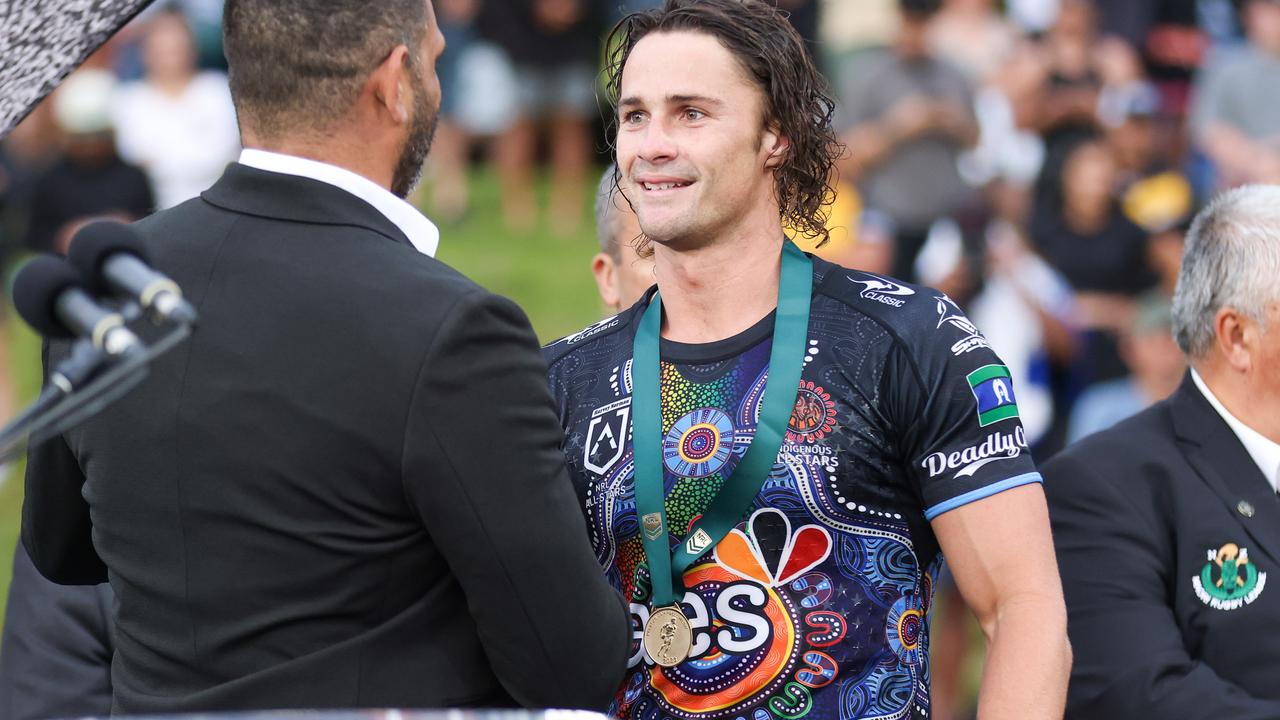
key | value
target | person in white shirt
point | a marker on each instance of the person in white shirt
(176, 123)
(1168, 524)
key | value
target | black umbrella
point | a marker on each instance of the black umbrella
(42, 41)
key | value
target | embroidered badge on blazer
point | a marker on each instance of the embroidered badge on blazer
(1229, 580)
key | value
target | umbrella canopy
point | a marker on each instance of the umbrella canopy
(42, 41)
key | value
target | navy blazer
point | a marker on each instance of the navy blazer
(1168, 540)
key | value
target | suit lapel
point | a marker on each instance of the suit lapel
(1218, 457)
(251, 191)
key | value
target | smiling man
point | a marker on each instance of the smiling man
(773, 452)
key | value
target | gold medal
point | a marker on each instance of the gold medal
(667, 636)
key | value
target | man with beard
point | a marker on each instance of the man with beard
(773, 452)
(327, 497)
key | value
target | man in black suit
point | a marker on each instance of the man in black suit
(1167, 526)
(345, 490)
(55, 653)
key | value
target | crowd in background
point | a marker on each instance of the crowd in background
(1038, 160)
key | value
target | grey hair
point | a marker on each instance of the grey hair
(607, 196)
(1231, 259)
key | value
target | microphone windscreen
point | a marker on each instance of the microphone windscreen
(35, 293)
(98, 241)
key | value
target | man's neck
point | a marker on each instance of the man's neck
(719, 290)
(1248, 401)
(331, 151)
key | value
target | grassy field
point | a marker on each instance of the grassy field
(548, 276)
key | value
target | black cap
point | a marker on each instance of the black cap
(36, 289)
(97, 241)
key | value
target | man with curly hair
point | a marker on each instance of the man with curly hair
(773, 452)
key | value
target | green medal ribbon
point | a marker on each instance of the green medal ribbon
(786, 361)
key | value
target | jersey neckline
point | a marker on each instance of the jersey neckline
(718, 350)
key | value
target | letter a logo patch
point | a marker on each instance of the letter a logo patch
(993, 389)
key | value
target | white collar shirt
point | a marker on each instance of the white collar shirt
(422, 233)
(1264, 451)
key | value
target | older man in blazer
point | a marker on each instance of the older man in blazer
(346, 489)
(1167, 526)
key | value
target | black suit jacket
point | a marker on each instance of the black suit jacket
(345, 490)
(1137, 512)
(55, 654)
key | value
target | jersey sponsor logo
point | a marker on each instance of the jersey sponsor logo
(949, 313)
(882, 290)
(992, 387)
(741, 625)
(606, 436)
(592, 330)
(998, 446)
(1229, 580)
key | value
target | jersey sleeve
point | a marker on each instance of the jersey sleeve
(956, 406)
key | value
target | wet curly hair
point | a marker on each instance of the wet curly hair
(797, 99)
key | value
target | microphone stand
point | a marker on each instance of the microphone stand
(53, 413)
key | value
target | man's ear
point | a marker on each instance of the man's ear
(606, 273)
(389, 84)
(1236, 336)
(777, 145)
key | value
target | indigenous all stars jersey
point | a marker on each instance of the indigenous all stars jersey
(816, 604)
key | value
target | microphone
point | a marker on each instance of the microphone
(77, 368)
(49, 294)
(112, 258)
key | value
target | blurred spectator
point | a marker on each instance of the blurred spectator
(450, 152)
(90, 180)
(850, 25)
(909, 116)
(1156, 367)
(1080, 230)
(553, 45)
(25, 153)
(1236, 116)
(202, 17)
(1008, 108)
(1074, 81)
(205, 19)
(177, 124)
(973, 36)
(1154, 193)
(1125, 91)
(1033, 16)
(622, 276)
(1167, 35)
(1220, 22)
